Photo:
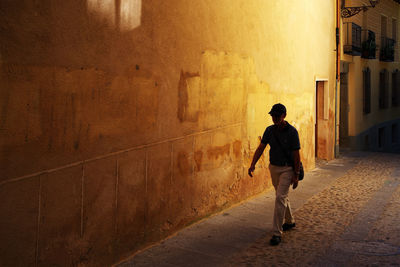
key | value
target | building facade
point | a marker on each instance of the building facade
(370, 83)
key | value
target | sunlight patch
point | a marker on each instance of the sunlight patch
(128, 13)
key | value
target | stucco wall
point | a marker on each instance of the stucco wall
(121, 121)
(358, 121)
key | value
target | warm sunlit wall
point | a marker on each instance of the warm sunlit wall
(115, 133)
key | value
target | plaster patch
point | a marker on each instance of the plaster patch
(189, 97)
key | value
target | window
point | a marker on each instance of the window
(366, 91)
(381, 137)
(366, 142)
(368, 46)
(352, 39)
(394, 37)
(396, 88)
(395, 133)
(383, 26)
(383, 89)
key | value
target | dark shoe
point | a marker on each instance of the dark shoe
(288, 226)
(275, 240)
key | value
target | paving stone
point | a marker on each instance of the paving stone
(347, 214)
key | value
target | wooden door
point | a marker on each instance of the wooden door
(320, 122)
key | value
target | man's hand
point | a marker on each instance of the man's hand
(295, 180)
(257, 155)
(251, 170)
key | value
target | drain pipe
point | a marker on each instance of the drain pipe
(337, 76)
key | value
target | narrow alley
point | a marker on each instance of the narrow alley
(128, 129)
(347, 214)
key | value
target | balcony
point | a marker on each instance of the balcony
(368, 46)
(352, 39)
(387, 49)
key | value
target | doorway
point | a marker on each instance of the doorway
(344, 111)
(321, 121)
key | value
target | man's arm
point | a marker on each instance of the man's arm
(296, 168)
(256, 157)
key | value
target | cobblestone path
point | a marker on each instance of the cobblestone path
(354, 222)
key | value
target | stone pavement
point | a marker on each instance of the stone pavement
(347, 214)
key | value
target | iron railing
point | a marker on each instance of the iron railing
(352, 39)
(368, 46)
(387, 49)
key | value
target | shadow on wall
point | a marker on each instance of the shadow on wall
(69, 33)
(90, 166)
(69, 92)
(74, 82)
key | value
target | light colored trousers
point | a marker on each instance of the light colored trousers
(281, 177)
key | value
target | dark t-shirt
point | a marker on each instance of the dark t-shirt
(289, 140)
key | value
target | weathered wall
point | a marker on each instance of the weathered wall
(122, 121)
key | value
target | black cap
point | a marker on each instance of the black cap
(278, 109)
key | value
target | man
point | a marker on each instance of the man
(284, 167)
